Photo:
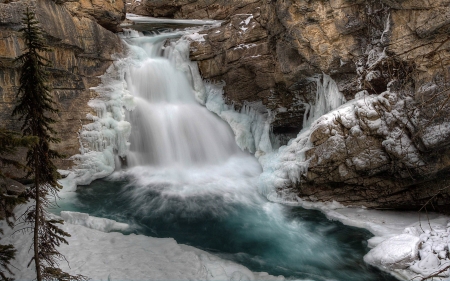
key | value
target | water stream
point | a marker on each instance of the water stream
(187, 179)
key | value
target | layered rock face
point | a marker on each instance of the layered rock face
(390, 149)
(81, 50)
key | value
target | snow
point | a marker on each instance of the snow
(144, 19)
(101, 224)
(396, 252)
(245, 22)
(436, 134)
(196, 37)
(115, 256)
(244, 46)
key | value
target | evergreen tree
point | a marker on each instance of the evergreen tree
(35, 108)
(9, 141)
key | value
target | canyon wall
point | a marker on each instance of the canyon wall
(80, 35)
(389, 149)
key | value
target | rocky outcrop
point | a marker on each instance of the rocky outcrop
(108, 14)
(368, 153)
(81, 51)
(391, 150)
(193, 9)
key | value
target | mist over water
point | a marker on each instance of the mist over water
(187, 179)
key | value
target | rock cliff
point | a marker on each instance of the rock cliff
(81, 49)
(389, 149)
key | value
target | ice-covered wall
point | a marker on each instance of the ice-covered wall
(251, 124)
(286, 167)
(106, 138)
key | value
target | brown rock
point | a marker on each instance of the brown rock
(108, 14)
(81, 51)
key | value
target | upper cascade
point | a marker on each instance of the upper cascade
(169, 127)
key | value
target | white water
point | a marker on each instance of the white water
(170, 128)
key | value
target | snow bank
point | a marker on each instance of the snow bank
(422, 251)
(114, 256)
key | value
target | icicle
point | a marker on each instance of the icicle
(284, 168)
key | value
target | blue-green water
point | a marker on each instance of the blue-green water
(264, 236)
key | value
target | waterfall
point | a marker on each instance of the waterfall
(169, 126)
(171, 123)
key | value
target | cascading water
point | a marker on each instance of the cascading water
(170, 128)
(187, 179)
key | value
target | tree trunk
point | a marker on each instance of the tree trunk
(37, 219)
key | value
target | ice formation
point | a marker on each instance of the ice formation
(108, 134)
(251, 127)
(285, 167)
(245, 22)
(101, 224)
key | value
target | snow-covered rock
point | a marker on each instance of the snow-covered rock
(396, 252)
